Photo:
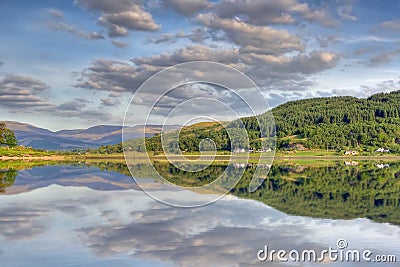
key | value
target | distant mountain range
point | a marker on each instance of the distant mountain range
(39, 138)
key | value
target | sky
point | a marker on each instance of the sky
(75, 64)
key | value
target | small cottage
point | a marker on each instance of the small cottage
(351, 152)
(382, 150)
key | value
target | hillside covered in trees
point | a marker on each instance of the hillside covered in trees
(337, 123)
(342, 122)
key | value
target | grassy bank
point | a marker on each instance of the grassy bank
(306, 156)
(21, 151)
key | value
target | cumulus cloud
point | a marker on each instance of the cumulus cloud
(266, 66)
(117, 76)
(368, 90)
(110, 75)
(110, 101)
(19, 82)
(119, 44)
(79, 108)
(23, 94)
(134, 19)
(261, 12)
(288, 73)
(384, 57)
(122, 77)
(385, 86)
(250, 38)
(187, 8)
(314, 62)
(190, 53)
(122, 16)
(231, 32)
(304, 63)
(19, 92)
(74, 105)
(189, 99)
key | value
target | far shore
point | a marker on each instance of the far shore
(121, 157)
(237, 156)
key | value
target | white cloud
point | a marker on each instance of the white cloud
(119, 17)
(365, 91)
(250, 38)
(18, 92)
(345, 12)
(119, 44)
(58, 24)
(62, 26)
(55, 13)
(384, 57)
(390, 25)
(261, 12)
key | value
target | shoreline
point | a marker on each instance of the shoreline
(121, 157)
(28, 158)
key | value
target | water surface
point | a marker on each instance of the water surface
(80, 215)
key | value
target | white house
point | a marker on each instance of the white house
(383, 150)
(239, 150)
(382, 166)
(351, 163)
(351, 152)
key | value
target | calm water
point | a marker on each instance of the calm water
(84, 216)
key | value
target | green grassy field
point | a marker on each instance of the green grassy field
(21, 151)
(309, 153)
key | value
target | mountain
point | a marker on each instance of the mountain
(93, 137)
(335, 122)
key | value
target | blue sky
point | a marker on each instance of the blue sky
(74, 64)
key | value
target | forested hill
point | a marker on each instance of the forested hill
(295, 115)
(333, 122)
(342, 122)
